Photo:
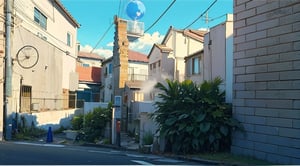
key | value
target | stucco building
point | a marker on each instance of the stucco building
(89, 71)
(43, 49)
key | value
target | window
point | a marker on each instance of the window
(85, 65)
(196, 65)
(25, 98)
(110, 68)
(69, 39)
(40, 18)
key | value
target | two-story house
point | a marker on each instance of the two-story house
(137, 71)
(167, 60)
(215, 60)
(89, 70)
(43, 51)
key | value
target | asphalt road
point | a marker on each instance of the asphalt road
(21, 153)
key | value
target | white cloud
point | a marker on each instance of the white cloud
(143, 45)
(100, 51)
(110, 44)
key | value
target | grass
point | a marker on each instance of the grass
(232, 159)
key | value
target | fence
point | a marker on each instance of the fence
(49, 104)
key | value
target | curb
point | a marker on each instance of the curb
(181, 157)
(109, 146)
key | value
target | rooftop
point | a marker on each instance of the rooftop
(89, 55)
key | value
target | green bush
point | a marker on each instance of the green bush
(77, 122)
(93, 124)
(194, 118)
(148, 138)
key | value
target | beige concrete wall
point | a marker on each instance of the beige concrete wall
(53, 119)
(54, 34)
(45, 77)
(266, 80)
(218, 50)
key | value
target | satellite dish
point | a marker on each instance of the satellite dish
(135, 9)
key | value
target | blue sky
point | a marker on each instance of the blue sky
(95, 17)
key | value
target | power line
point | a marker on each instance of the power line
(119, 8)
(201, 14)
(213, 19)
(161, 15)
(102, 37)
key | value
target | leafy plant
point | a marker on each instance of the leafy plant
(194, 118)
(77, 122)
(25, 132)
(93, 124)
(148, 138)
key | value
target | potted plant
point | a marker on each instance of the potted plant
(147, 142)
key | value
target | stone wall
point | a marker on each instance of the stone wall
(266, 79)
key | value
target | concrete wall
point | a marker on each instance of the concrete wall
(266, 80)
(53, 119)
(218, 52)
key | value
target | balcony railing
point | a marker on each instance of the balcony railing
(48, 104)
(137, 77)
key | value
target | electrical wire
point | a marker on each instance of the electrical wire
(119, 7)
(161, 15)
(201, 15)
(102, 37)
(213, 19)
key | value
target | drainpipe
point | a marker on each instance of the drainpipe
(8, 74)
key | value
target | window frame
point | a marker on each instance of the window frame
(195, 66)
(40, 18)
(69, 39)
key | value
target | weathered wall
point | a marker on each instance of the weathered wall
(266, 80)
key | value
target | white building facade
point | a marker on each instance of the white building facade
(166, 60)
(218, 54)
(43, 49)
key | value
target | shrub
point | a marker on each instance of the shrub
(194, 118)
(93, 124)
(148, 138)
(77, 122)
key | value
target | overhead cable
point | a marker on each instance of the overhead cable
(161, 15)
(201, 14)
(102, 37)
(119, 8)
(213, 19)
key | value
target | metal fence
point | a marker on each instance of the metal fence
(49, 104)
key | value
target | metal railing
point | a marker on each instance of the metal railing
(48, 104)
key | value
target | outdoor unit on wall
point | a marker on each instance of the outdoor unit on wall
(135, 10)
(135, 30)
(34, 106)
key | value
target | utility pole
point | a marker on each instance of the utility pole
(8, 73)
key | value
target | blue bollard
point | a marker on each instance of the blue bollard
(49, 136)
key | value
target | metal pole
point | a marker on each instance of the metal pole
(8, 73)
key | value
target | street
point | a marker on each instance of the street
(21, 153)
